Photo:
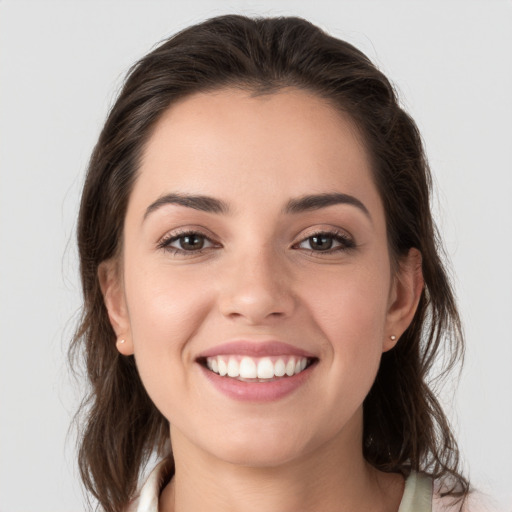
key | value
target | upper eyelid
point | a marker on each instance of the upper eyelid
(165, 244)
(332, 231)
(333, 234)
(343, 240)
(179, 232)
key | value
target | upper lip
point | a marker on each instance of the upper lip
(255, 349)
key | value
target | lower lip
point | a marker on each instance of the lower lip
(257, 391)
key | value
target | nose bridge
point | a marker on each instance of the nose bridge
(257, 286)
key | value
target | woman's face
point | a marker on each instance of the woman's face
(255, 244)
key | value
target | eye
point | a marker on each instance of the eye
(186, 242)
(326, 242)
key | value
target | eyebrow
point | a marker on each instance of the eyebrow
(318, 201)
(197, 202)
(212, 205)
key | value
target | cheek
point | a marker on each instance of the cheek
(165, 312)
(349, 305)
(350, 310)
(165, 302)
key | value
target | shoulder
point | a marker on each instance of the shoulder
(423, 494)
(474, 501)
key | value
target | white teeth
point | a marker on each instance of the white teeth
(264, 368)
(248, 368)
(290, 367)
(279, 368)
(223, 367)
(233, 367)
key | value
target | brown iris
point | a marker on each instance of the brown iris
(191, 242)
(320, 242)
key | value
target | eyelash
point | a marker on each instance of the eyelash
(345, 242)
(166, 242)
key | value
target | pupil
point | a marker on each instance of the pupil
(321, 243)
(189, 242)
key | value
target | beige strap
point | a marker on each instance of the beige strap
(417, 494)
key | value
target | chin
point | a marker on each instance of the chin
(257, 457)
(269, 444)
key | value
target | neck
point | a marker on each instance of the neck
(334, 477)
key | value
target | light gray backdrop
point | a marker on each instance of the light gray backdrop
(61, 65)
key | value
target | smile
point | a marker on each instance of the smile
(257, 369)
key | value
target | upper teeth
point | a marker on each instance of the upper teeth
(256, 368)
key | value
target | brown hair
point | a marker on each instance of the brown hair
(404, 426)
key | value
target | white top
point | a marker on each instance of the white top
(418, 493)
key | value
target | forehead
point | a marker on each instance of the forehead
(232, 142)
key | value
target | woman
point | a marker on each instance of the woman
(262, 284)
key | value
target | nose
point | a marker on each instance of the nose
(257, 289)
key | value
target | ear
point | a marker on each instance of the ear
(111, 284)
(405, 295)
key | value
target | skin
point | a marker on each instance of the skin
(259, 277)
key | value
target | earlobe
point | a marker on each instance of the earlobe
(124, 346)
(404, 298)
(113, 295)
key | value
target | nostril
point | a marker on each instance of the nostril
(256, 297)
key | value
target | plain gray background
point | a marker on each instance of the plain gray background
(61, 64)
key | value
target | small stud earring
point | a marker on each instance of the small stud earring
(121, 341)
(392, 337)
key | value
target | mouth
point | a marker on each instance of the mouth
(250, 369)
(256, 371)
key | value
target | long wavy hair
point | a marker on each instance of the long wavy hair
(405, 427)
